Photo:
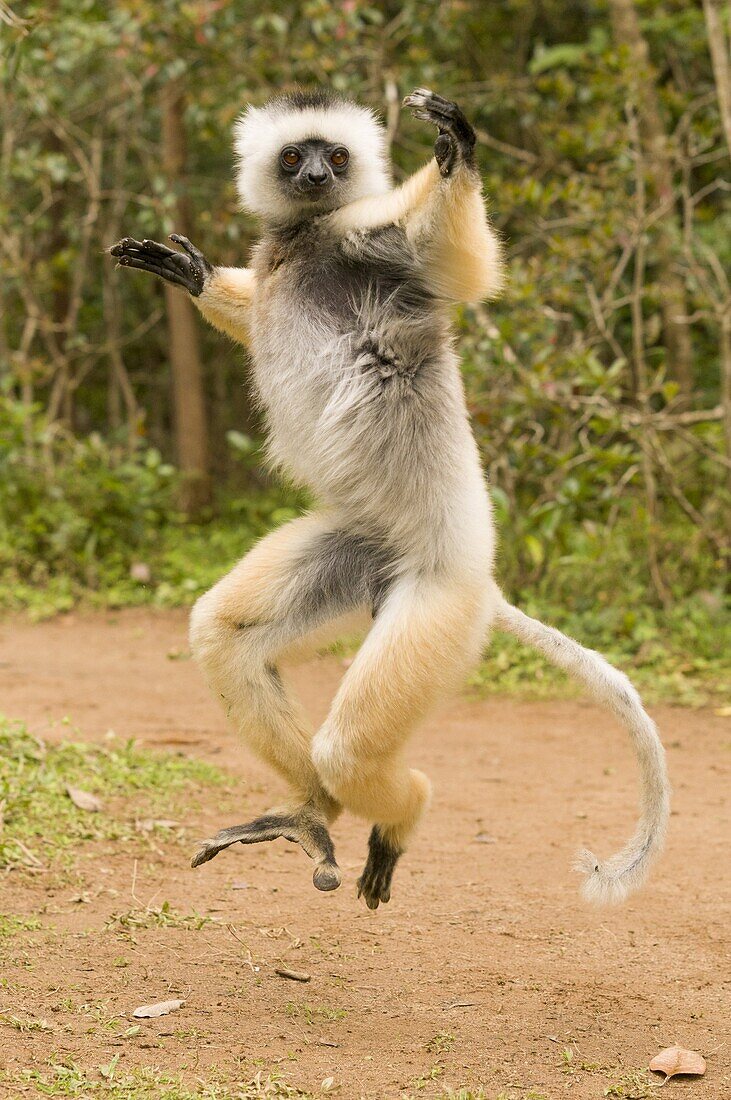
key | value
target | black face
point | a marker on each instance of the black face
(313, 167)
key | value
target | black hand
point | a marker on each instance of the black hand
(456, 139)
(188, 269)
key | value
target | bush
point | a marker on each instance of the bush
(81, 508)
(88, 519)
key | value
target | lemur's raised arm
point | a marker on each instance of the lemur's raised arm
(441, 209)
(222, 294)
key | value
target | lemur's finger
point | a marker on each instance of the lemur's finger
(417, 98)
(128, 246)
(448, 120)
(439, 100)
(157, 253)
(424, 100)
(142, 264)
(158, 249)
(443, 113)
(122, 246)
(168, 263)
(191, 249)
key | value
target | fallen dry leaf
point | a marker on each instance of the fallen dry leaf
(293, 975)
(145, 1012)
(485, 838)
(675, 1060)
(723, 712)
(84, 800)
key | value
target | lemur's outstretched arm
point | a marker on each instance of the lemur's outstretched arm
(222, 294)
(441, 208)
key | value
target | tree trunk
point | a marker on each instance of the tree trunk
(725, 348)
(190, 425)
(721, 62)
(720, 50)
(673, 298)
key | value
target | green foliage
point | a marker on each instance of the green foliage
(74, 507)
(83, 521)
(88, 519)
(567, 432)
(67, 1078)
(41, 823)
(10, 925)
(163, 916)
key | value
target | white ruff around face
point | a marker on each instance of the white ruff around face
(262, 132)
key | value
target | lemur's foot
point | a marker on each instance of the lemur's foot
(188, 269)
(375, 883)
(305, 827)
(456, 141)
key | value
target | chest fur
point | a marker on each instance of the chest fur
(303, 267)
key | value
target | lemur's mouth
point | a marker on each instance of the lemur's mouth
(314, 194)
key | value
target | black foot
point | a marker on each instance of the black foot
(375, 883)
(188, 269)
(456, 141)
(304, 827)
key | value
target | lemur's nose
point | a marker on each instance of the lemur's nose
(317, 178)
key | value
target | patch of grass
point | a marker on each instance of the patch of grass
(149, 1083)
(441, 1042)
(163, 916)
(42, 825)
(425, 1079)
(311, 1013)
(10, 926)
(632, 1085)
(26, 1023)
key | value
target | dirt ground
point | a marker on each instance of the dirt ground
(485, 970)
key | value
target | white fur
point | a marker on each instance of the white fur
(624, 872)
(261, 132)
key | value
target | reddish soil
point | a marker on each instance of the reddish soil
(485, 967)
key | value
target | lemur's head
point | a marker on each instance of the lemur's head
(307, 153)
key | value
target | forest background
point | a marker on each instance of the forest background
(599, 385)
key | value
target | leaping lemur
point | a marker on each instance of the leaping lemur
(346, 310)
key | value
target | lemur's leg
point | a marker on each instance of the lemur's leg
(290, 592)
(222, 294)
(424, 639)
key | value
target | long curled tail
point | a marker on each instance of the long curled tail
(616, 877)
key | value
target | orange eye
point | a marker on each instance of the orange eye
(290, 157)
(339, 158)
